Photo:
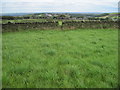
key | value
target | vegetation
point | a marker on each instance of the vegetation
(7, 17)
(60, 59)
(104, 14)
(23, 20)
(60, 16)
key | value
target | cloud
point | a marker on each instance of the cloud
(60, 0)
(59, 6)
(29, 0)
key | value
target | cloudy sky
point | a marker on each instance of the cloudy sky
(25, 6)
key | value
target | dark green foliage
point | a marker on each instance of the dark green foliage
(8, 17)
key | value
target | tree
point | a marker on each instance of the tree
(61, 16)
(8, 17)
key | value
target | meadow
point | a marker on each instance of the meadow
(82, 58)
(23, 21)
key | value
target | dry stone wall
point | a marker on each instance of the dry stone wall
(66, 25)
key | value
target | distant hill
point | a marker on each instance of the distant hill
(14, 14)
(110, 15)
(72, 13)
(65, 15)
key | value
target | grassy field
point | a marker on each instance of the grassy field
(33, 20)
(23, 20)
(60, 59)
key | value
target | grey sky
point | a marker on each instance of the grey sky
(23, 6)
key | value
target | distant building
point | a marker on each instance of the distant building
(48, 15)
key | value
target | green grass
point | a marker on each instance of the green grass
(23, 21)
(60, 59)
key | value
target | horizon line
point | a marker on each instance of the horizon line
(58, 12)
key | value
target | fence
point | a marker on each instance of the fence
(66, 25)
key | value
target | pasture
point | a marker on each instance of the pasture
(60, 59)
(23, 20)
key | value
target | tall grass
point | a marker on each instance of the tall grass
(60, 59)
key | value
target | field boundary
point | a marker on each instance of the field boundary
(71, 25)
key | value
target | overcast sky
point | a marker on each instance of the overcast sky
(25, 6)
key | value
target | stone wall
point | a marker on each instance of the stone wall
(67, 25)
